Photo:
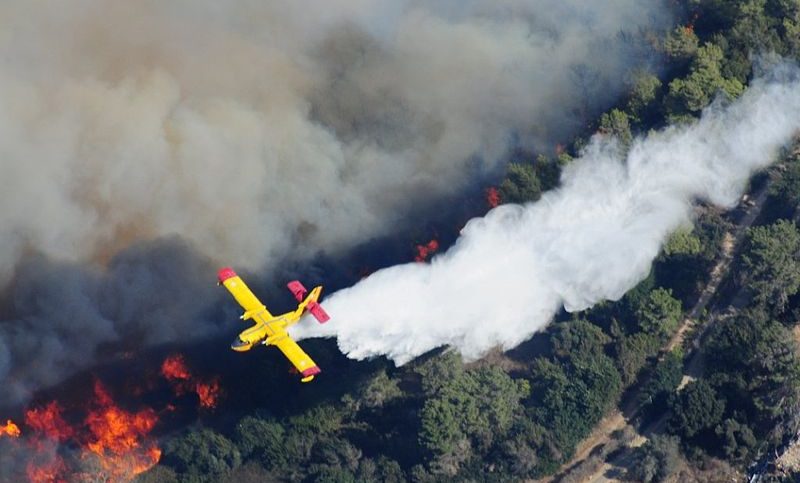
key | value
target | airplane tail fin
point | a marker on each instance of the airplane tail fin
(309, 302)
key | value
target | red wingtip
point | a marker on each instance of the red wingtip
(225, 274)
(311, 371)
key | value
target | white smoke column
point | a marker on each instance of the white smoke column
(590, 240)
(258, 130)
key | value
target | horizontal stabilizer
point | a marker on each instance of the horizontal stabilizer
(318, 312)
(297, 290)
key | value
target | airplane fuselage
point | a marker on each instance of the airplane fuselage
(265, 330)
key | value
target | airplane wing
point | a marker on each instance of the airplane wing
(246, 298)
(304, 364)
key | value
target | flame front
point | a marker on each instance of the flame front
(175, 370)
(113, 443)
(10, 429)
(116, 437)
(46, 467)
(48, 422)
(99, 441)
(208, 393)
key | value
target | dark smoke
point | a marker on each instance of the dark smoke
(60, 317)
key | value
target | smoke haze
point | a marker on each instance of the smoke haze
(255, 130)
(59, 316)
(590, 240)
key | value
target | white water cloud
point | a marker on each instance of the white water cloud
(590, 240)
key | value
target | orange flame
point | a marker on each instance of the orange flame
(115, 443)
(116, 437)
(492, 197)
(426, 250)
(208, 393)
(175, 370)
(47, 420)
(51, 470)
(10, 429)
(689, 28)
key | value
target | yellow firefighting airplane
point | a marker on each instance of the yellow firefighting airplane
(270, 329)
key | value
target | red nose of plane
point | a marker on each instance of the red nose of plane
(225, 274)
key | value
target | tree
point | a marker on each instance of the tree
(632, 353)
(549, 170)
(694, 92)
(579, 337)
(247, 473)
(738, 440)
(380, 390)
(681, 44)
(438, 370)
(785, 192)
(525, 451)
(689, 254)
(156, 474)
(616, 123)
(643, 95)
(770, 265)
(665, 378)
(478, 406)
(695, 409)
(570, 399)
(333, 475)
(753, 357)
(204, 454)
(754, 28)
(336, 452)
(683, 242)
(656, 460)
(791, 27)
(322, 420)
(660, 313)
(296, 448)
(521, 184)
(383, 469)
(254, 436)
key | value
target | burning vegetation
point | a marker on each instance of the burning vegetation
(426, 250)
(10, 429)
(119, 438)
(101, 440)
(492, 197)
(175, 371)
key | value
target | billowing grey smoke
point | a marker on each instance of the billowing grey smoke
(255, 130)
(590, 240)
